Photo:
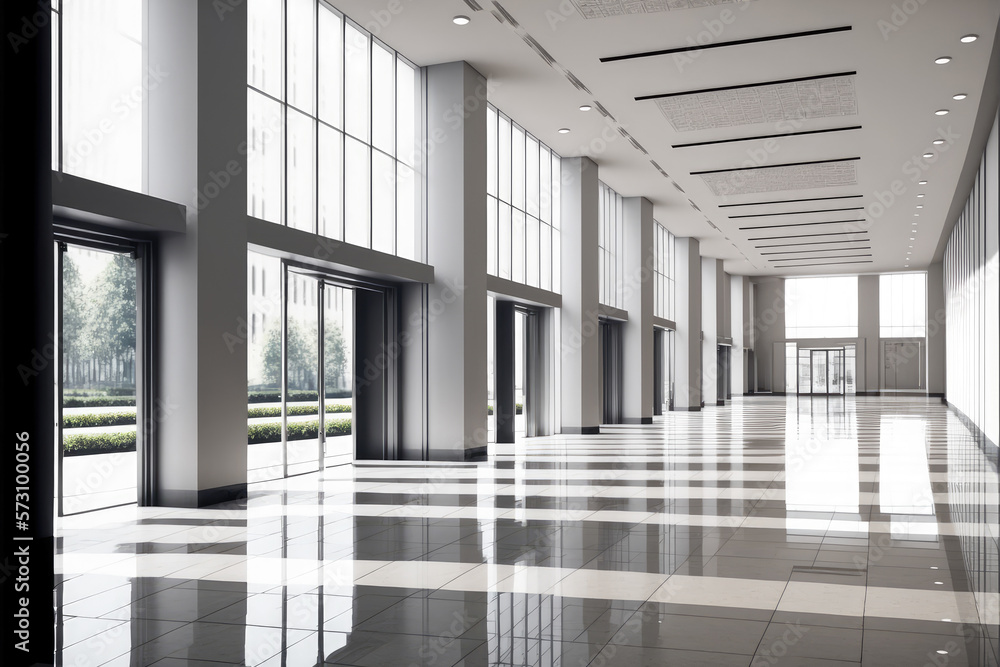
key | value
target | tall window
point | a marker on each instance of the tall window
(334, 128)
(522, 186)
(664, 286)
(902, 309)
(610, 242)
(98, 91)
(821, 307)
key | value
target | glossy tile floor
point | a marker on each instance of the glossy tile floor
(774, 531)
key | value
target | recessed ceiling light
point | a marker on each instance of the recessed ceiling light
(939, 583)
(934, 567)
(911, 238)
(585, 107)
(922, 182)
(960, 96)
(943, 60)
(920, 195)
(928, 155)
(941, 112)
(916, 215)
(946, 620)
(942, 652)
(563, 130)
(969, 39)
(920, 205)
(461, 20)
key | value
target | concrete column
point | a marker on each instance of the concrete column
(736, 304)
(769, 328)
(456, 247)
(936, 330)
(710, 288)
(198, 131)
(868, 331)
(580, 344)
(687, 356)
(637, 332)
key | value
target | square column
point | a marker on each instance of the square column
(580, 344)
(687, 377)
(456, 247)
(637, 332)
(197, 152)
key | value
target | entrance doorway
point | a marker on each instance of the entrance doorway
(822, 372)
(319, 379)
(663, 371)
(101, 384)
(611, 372)
(724, 382)
(518, 372)
(903, 365)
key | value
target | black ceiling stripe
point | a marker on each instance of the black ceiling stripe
(789, 245)
(799, 259)
(789, 201)
(773, 166)
(822, 210)
(719, 45)
(766, 136)
(802, 224)
(802, 236)
(800, 252)
(745, 85)
(804, 266)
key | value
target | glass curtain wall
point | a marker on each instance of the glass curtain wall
(663, 300)
(523, 205)
(98, 91)
(611, 244)
(821, 307)
(331, 105)
(903, 305)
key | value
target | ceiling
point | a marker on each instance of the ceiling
(789, 140)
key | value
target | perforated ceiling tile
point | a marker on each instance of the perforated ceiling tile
(770, 103)
(597, 9)
(776, 179)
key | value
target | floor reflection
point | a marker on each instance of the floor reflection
(866, 526)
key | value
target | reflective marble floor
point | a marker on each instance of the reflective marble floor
(775, 531)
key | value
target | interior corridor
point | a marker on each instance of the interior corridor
(775, 531)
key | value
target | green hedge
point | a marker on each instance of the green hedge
(123, 418)
(102, 443)
(296, 410)
(261, 433)
(518, 409)
(274, 396)
(105, 443)
(98, 401)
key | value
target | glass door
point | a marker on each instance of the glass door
(303, 451)
(819, 372)
(98, 439)
(338, 373)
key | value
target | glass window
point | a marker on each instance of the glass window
(334, 146)
(103, 88)
(821, 307)
(903, 305)
(610, 243)
(664, 263)
(522, 214)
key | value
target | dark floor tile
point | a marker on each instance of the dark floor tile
(811, 641)
(882, 648)
(632, 656)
